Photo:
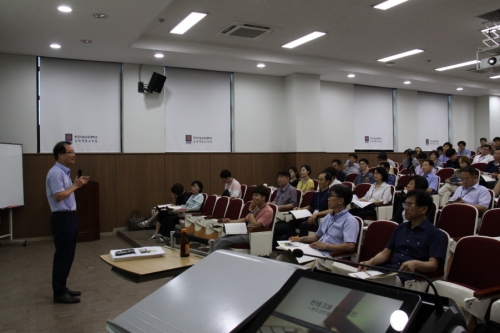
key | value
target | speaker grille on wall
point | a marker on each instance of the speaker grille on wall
(156, 82)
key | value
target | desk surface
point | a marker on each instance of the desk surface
(171, 261)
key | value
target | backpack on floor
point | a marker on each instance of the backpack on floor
(134, 219)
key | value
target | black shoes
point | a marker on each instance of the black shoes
(73, 293)
(66, 299)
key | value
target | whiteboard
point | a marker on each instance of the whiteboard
(11, 175)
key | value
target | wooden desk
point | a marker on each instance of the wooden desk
(142, 270)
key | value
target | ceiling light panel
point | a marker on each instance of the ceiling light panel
(495, 77)
(305, 39)
(468, 63)
(401, 55)
(64, 9)
(187, 23)
(389, 4)
(55, 46)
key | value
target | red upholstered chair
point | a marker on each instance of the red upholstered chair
(445, 173)
(243, 191)
(432, 215)
(458, 220)
(249, 193)
(207, 207)
(306, 198)
(479, 166)
(220, 208)
(351, 177)
(372, 170)
(299, 198)
(403, 171)
(354, 256)
(473, 279)
(396, 171)
(361, 189)
(245, 209)
(273, 195)
(234, 209)
(492, 202)
(348, 184)
(268, 194)
(316, 182)
(490, 224)
(403, 181)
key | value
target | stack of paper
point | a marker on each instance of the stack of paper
(306, 249)
(139, 253)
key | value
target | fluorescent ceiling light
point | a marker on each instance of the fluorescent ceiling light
(460, 88)
(261, 65)
(305, 39)
(65, 9)
(187, 23)
(389, 4)
(401, 55)
(407, 82)
(468, 63)
(158, 55)
(351, 75)
(55, 46)
(495, 77)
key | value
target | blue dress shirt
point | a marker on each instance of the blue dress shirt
(338, 229)
(59, 179)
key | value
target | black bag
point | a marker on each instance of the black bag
(134, 219)
(226, 194)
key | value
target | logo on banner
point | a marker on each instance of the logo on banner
(373, 139)
(189, 139)
(68, 137)
(198, 139)
(367, 139)
(84, 138)
(426, 142)
(432, 142)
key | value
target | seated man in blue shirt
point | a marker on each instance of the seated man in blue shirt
(461, 149)
(339, 230)
(286, 200)
(351, 165)
(471, 192)
(415, 246)
(391, 179)
(364, 176)
(432, 179)
(421, 157)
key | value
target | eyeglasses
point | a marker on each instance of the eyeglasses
(408, 205)
(70, 152)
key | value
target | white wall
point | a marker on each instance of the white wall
(143, 114)
(259, 113)
(494, 116)
(406, 120)
(18, 101)
(337, 122)
(462, 121)
(482, 117)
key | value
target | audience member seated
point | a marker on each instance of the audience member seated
(382, 157)
(333, 172)
(293, 176)
(232, 187)
(364, 176)
(451, 184)
(318, 206)
(337, 164)
(496, 146)
(180, 199)
(351, 165)
(421, 157)
(260, 215)
(496, 189)
(444, 158)
(391, 179)
(416, 246)
(418, 150)
(339, 230)
(482, 142)
(452, 161)
(493, 168)
(192, 204)
(471, 192)
(305, 183)
(410, 156)
(415, 183)
(462, 151)
(378, 194)
(485, 156)
(433, 156)
(432, 179)
(286, 200)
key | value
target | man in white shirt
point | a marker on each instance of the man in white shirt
(232, 187)
(485, 156)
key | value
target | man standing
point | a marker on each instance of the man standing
(485, 156)
(232, 187)
(416, 246)
(432, 179)
(471, 192)
(336, 163)
(60, 194)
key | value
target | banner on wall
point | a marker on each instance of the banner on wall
(373, 120)
(80, 103)
(432, 120)
(198, 111)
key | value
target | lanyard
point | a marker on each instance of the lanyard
(462, 195)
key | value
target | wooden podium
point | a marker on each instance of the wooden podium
(87, 206)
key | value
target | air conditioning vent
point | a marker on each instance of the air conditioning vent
(247, 31)
(493, 16)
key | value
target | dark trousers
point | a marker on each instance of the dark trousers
(303, 226)
(364, 212)
(65, 230)
(168, 223)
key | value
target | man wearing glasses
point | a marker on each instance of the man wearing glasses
(471, 192)
(60, 194)
(416, 245)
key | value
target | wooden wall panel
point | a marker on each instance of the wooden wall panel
(265, 168)
(140, 184)
(240, 166)
(185, 168)
(317, 161)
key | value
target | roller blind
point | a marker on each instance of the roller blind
(432, 120)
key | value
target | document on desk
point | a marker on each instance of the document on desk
(488, 178)
(138, 253)
(306, 249)
(381, 277)
(362, 204)
(300, 214)
(238, 228)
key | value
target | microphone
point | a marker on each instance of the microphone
(298, 253)
(80, 172)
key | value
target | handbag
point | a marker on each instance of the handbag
(134, 219)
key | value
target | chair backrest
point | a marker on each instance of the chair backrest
(220, 207)
(299, 198)
(269, 193)
(234, 209)
(458, 220)
(355, 258)
(348, 184)
(275, 212)
(243, 191)
(209, 205)
(445, 173)
(377, 236)
(403, 171)
(402, 181)
(351, 177)
(470, 265)
(361, 189)
(372, 170)
(205, 196)
(490, 224)
(492, 202)
(273, 195)
(479, 166)
(316, 182)
(306, 198)
(249, 193)
(245, 209)
(432, 214)
(396, 171)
